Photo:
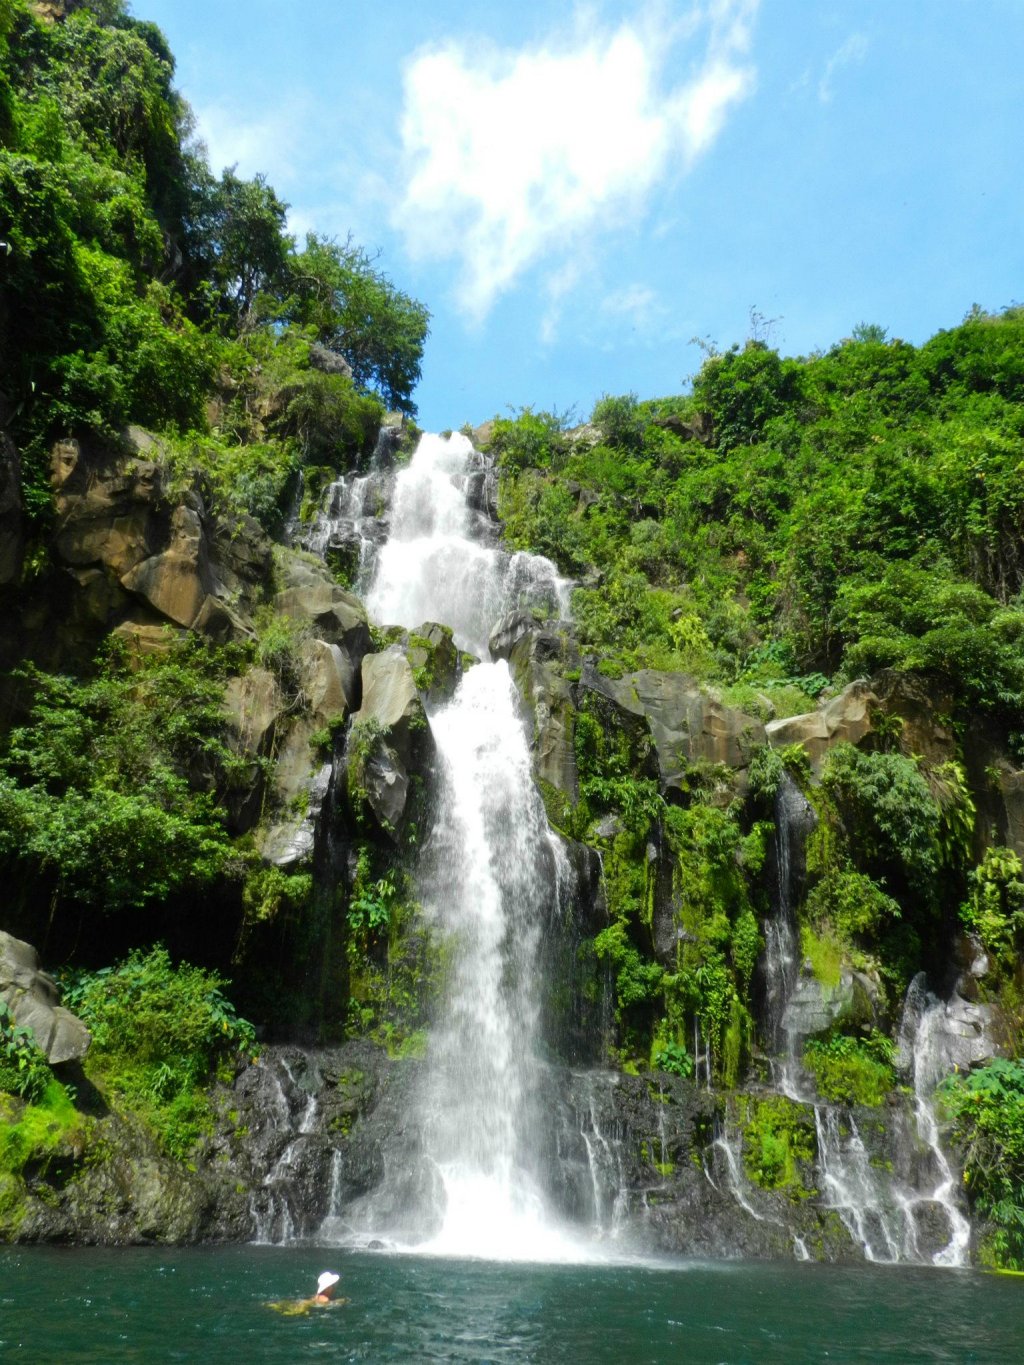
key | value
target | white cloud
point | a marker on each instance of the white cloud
(852, 51)
(635, 304)
(514, 157)
(269, 146)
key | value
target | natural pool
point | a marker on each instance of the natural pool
(209, 1304)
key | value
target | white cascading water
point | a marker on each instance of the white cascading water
(432, 568)
(491, 874)
(880, 1212)
(923, 1041)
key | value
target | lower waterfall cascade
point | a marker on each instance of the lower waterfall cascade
(491, 1146)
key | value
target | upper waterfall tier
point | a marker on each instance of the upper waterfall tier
(436, 566)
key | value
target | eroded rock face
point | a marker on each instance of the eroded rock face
(687, 725)
(176, 582)
(389, 739)
(814, 1007)
(126, 552)
(334, 615)
(539, 657)
(32, 997)
(845, 718)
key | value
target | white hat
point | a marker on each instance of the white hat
(326, 1280)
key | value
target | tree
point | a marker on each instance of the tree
(356, 310)
(248, 238)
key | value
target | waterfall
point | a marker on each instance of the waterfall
(490, 876)
(490, 882)
(437, 563)
(923, 1045)
(907, 1215)
(781, 962)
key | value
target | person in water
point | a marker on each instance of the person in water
(325, 1287)
(324, 1295)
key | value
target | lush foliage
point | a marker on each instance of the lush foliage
(778, 1142)
(23, 1068)
(159, 1034)
(987, 1109)
(139, 287)
(108, 792)
(851, 1070)
(792, 521)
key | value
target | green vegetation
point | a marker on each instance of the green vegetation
(23, 1068)
(852, 1070)
(795, 521)
(42, 1135)
(987, 1110)
(778, 1142)
(102, 790)
(160, 1034)
(395, 966)
(141, 288)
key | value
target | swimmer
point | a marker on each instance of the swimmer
(323, 1297)
(325, 1287)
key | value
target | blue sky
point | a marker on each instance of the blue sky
(576, 194)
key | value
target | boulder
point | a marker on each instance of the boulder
(143, 638)
(923, 708)
(435, 661)
(481, 436)
(385, 782)
(325, 360)
(290, 841)
(177, 581)
(814, 1007)
(997, 785)
(328, 680)
(133, 547)
(337, 617)
(845, 718)
(252, 705)
(108, 513)
(391, 702)
(32, 998)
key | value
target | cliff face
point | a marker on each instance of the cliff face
(635, 769)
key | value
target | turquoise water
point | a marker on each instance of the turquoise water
(147, 1305)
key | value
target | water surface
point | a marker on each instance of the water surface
(209, 1305)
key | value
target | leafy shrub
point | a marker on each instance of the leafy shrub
(335, 424)
(23, 1068)
(525, 441)
(96, 795)
(372, 902)
(636, 981)
(668, 1055)
(887, 813)
(852, 904)
(994, 909)
(270, 892)
(159, 1033)
(778, 1137)
(987, 1111)
(850, 1070)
